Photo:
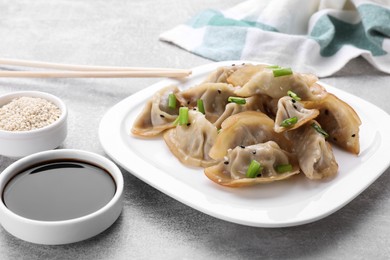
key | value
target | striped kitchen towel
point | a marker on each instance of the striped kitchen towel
(318, 36)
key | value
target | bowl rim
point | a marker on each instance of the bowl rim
(38, 94)
(81, 155)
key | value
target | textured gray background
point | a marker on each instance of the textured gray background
(153, 225)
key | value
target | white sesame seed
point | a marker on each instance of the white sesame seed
(28, 113)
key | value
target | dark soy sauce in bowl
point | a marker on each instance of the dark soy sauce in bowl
(59, 190)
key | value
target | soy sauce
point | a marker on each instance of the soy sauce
(59, 190)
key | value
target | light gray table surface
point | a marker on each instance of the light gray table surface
(153, 225)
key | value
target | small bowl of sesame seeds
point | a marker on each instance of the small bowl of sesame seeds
(30, 122)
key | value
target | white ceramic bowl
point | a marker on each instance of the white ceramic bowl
(64, 231)
(17, 144)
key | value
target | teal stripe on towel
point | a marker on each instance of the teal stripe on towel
(222, 43)
(224, 38)
(376, 20)
(332, 34)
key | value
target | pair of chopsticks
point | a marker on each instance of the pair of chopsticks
(80, 71)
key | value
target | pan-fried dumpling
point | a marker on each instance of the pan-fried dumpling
(221, 74)
(232, 171)
(191, 143)
(243, 129)
(264, 82)
(214, 96)
(156, 116)
(339, 120)
(244, 73)
(254, 103)
(288, 109)
(315, 155)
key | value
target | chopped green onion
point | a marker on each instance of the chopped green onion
(183, 116)
(199, 104)
(237, 100)
(293, 95)
(320, 130)
(254, 169)
(289, 122)
(182, 119)
(282, 72)
(273, 67)
(172, 101)
(282, 168)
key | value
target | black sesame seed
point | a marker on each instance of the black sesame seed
(353, 135)
(188, 102)
(219, 91)
(194, 108)
(295, 106)
(326, 112)
(188, 124)
(226, 162)
(254, 152)
(259, 175)
(162, 116)
(293, 100)
(242, 146)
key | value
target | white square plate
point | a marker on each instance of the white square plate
(286, 203)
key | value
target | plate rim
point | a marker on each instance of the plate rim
(173, 188)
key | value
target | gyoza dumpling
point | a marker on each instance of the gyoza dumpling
(221, 74)
(156, 115)
(191, 143)
(264, 82)
(276, 165)
(244, 73)
(243, 129)
(214, 96)
(315, 155)
(260, 103)
(289, 109)
(339, 120)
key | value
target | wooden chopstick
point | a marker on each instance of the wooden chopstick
(80, 71)
(95, 74)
